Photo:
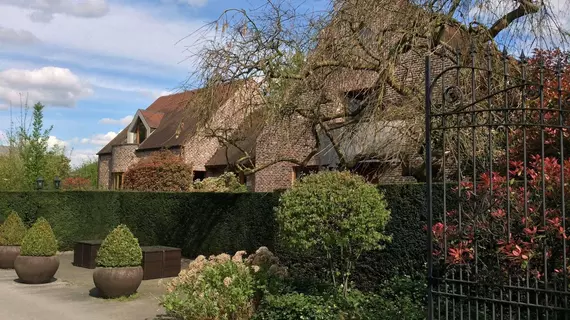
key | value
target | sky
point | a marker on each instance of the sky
(94, 63)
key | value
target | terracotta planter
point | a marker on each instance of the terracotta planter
(117, 282)
(36, 270)
(8, 255)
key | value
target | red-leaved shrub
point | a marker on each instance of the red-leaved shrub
(76, 183)
(162, 171)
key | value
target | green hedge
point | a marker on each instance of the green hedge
(210, 223)
(199, 223)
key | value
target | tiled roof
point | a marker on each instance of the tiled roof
(175, 116)
(152, 118)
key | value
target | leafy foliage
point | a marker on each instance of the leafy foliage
(338, 213)
(12, 231)
(162, 171)
(39, 240)
(227, 182)
(294, 306)
(119, 249)
(516, 230)
(220, 287)
(87, 170)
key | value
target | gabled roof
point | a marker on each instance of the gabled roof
(176, 116)
(152, 118)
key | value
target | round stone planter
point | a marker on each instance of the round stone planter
(8, 255)
(36, 270)
(117, 282)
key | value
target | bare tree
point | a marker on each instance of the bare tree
(350, 78)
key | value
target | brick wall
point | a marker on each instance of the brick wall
(122, 157)
(287, 139)
(104, 171)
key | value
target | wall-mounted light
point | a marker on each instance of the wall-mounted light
(39, 183)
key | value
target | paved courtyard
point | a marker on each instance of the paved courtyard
(70, 298)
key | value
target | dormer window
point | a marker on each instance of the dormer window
(138, 130)
(141, 132)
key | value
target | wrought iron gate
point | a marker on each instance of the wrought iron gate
(497, 131)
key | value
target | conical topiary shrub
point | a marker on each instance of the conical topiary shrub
(40, 240)
(119, 249)
(37, 262)
(12, 231)
(119, 260)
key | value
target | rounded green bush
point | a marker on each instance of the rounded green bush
(12, 231)
(119, 249)
(39, 240)
(338, 213)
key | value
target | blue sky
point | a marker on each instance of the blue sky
(93, 63)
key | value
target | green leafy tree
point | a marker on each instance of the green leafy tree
(119, 249)
(34, 146)
(337, 212)
(29, 155)
(40, 240)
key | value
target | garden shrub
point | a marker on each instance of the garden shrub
(12, 231)
(119, 249)
(227, 182)
(39, 240)
(399, 298)
(162, 171)
(295, 306)
(76, 183)
(220, 287)
(337, 213)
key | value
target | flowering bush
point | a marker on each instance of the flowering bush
(515, 230)
(76, 183)
(218, 288)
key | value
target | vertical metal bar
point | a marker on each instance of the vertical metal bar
(525, 178)
(473, 52)
(443, 124)
(543, 176)
(429, 186)
(562, 182)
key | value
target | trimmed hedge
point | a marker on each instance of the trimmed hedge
(211, 223)
(198, 223)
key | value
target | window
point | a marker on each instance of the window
(359, 99)
(141, 132)
(117, 181)
(199, 175)
(299, 172)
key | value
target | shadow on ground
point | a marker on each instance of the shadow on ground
(18, 280)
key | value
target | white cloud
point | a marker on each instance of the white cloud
(123, 121)
(113, 84)
(44, 11)
(80, 156)
(138, 34)
(50, 85)
(10, 36)
(99, 139)
(54, 141)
